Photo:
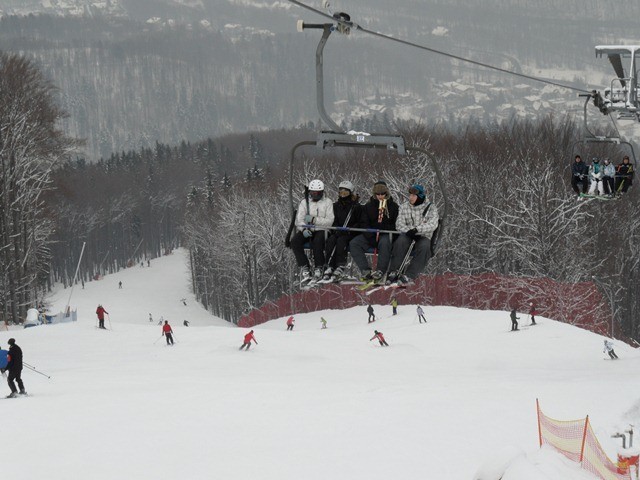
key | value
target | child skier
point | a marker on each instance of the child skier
(100, 311)
(533, 313)
(394, 305)
(323, 322)
(420, 313)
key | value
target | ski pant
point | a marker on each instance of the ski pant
(421, 318)
(317, 248)
(574, 184)
(612, 354)
(533, 320)
(17, 376)
(514, 324)
(248, 345)
(101, 323)
(596, 186)
(607, 182)
(383, 343)
(372, 318)
(359, 246)
(622, 184)
(395, 310)
(289, 327)
(169, 338)
(421, 254)
(336, 250)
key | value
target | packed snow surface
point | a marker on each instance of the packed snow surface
(446, 400)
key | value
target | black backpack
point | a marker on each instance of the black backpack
(435, 236)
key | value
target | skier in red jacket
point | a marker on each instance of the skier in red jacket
(167, 332)
(290, 323)
(533, 313)
(247, 340)
(100, 311)
(380, 337)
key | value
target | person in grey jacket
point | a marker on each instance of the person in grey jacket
(417, 220)
(609, 176)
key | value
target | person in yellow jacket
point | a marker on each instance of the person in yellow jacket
(394, 305)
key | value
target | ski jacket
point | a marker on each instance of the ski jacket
(248, 337)
(608, 346)
(513, 315)
(532, 311)
(379, 336)
(341, 210)
(166, 328)
(14, 358)
(625, 170)
(419, 311)
(290, 321)
(371, 211)
(369, 309)
(394, 303)
(321, 211)
(413, 216)
(100, 311)
(609, 170)
(579, 169)
(596, 172)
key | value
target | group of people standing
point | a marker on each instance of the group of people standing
(392, 231)
(601, 178)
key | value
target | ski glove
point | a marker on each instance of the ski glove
(307, 233)
(413, 234)
(308, 219)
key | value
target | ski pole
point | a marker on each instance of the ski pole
(37, 371)
(109, 317)
(158, 339)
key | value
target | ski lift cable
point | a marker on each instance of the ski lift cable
(349, 24)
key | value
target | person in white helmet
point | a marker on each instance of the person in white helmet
(346, 212)
(314, 212)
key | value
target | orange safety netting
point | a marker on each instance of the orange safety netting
(575, 440)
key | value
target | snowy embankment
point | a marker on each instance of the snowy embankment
(446, 397)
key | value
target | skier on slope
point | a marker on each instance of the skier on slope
(514, 320)
(380, 212)
(608, 348)
(323, 322)
(167, 331)
(417, 220)
(372, 317)
(380, 337)
(533, 313)
(100, 311)
(346, 213)
(315, 210)
(290, 322)
(247, 340)
(14, 366)
(394, 305)
(420, 313)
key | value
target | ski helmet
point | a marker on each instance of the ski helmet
(316, 186)
(347, 185)
(316, 190)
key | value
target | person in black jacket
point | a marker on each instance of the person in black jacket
(514, 320)
(624, 175)
(579, 174)
(372, 316)
(14, 366)
(380, 212)
(346, 212)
